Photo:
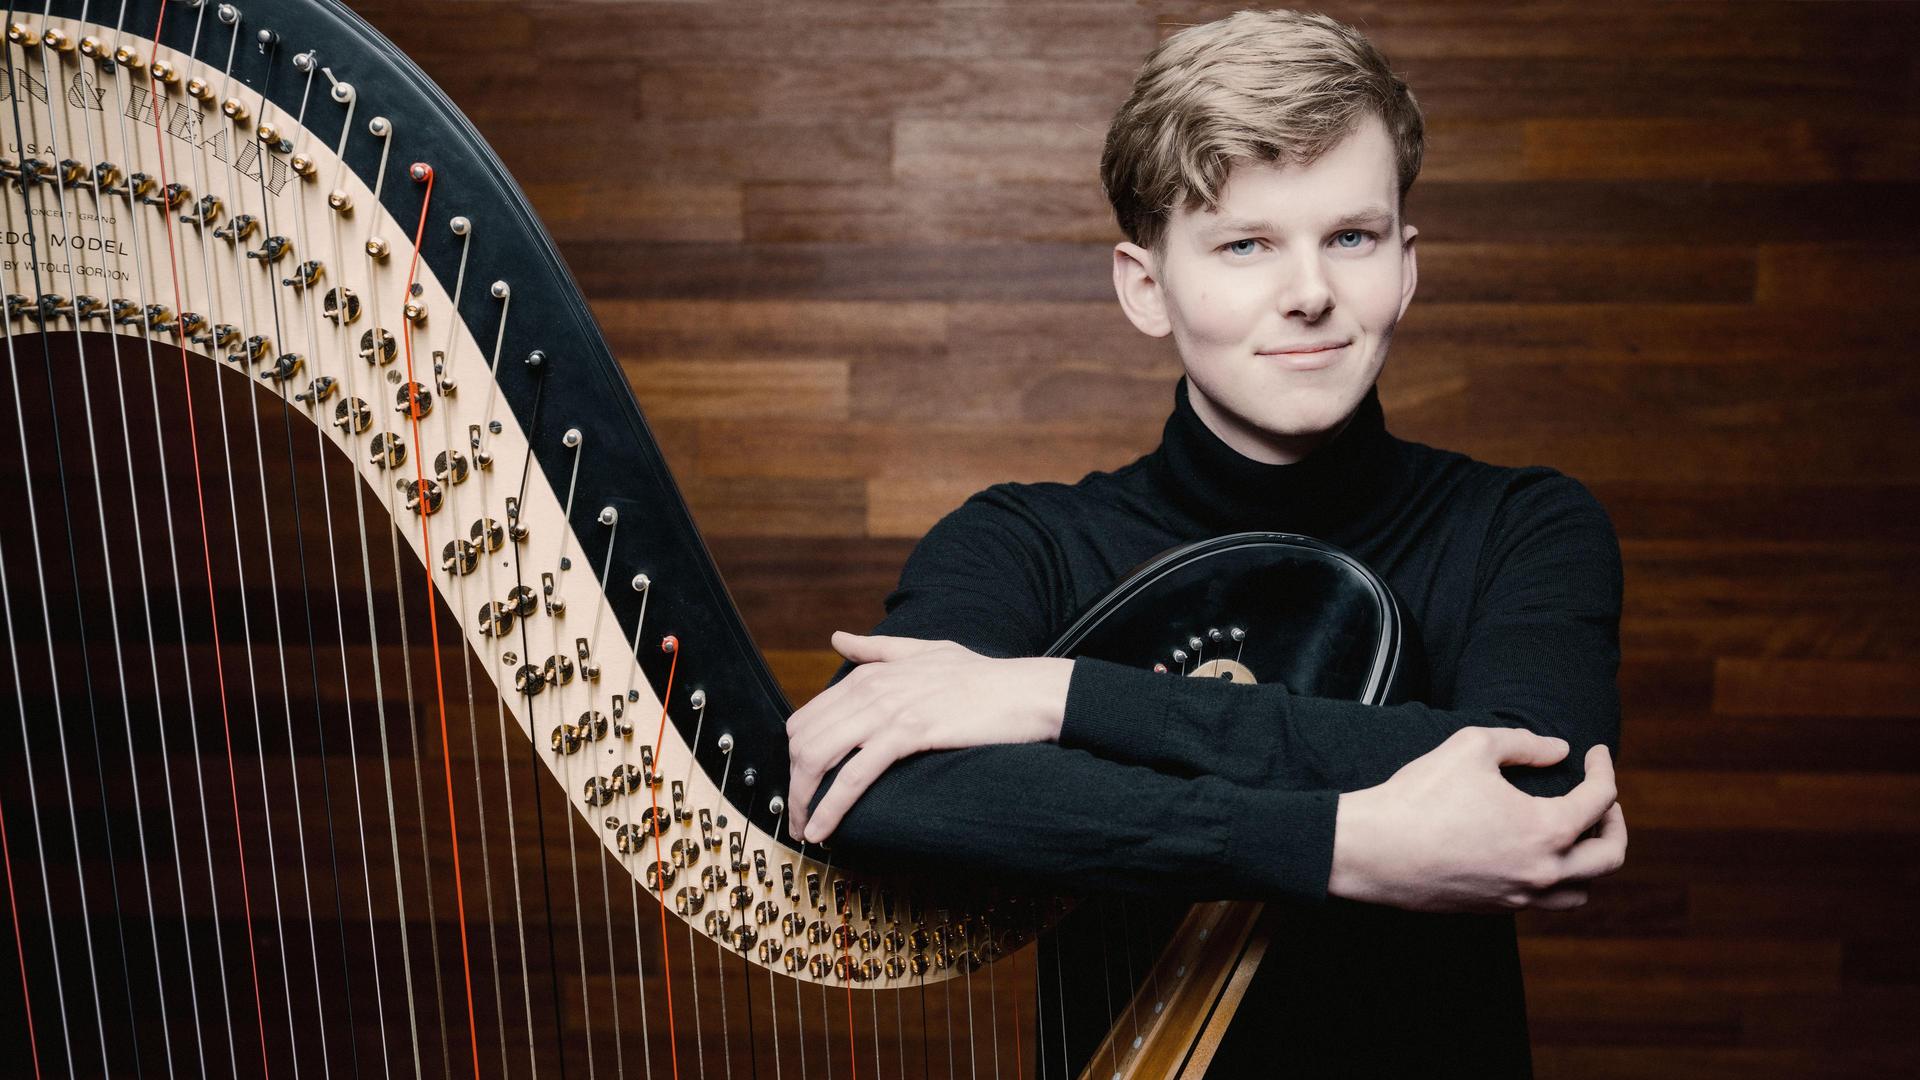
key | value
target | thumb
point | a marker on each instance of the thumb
(1516, 746)
(867, 648)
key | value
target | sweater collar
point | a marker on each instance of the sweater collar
(1323, 494)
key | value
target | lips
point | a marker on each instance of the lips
(1308, 357)
(1321, 346)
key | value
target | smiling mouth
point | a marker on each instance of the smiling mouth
(1308, 359)
(1307, 351)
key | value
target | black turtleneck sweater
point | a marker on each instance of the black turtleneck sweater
(1182, 789)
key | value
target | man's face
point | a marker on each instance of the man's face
(1282, 301)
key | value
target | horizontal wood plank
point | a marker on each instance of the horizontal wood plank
(1787, 687)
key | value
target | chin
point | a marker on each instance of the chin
(1285, 410)
(1298, 419)
(1284, 425)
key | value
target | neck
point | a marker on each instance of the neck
(1254, 444)
(1222, 487)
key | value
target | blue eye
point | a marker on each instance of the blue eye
(1236, 247)
(1362, 235)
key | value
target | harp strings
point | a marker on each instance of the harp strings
(381, 130)
(112, 601)
(574, 440)
(503, 292)
(443, 383)
(1129, 989)
(642, 585)
(213, 298)
(46, 609)
(691, 888)
(144, 292)
(422, 173)
(533, 750)
(139, 547)
(201, 274)
(671, 646)
(462, 229)
(113, 614)
(13, 903)
(374, 250)
(720, 960)
(253, 963)
(280, 370)
(310, 319)
(609, 517)
(342, 339)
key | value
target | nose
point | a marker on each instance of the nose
(1303, 289)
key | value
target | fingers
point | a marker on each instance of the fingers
(820, 709)
(851, 782)
(868, 648)
(800, 788)
(1588, 859)
(805, 767)
(813, 753)
(1589, 801)
(1601, 855)
(1517, 746)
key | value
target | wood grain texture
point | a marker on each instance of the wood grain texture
(855, 257)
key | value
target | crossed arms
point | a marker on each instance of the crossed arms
(1094, 775)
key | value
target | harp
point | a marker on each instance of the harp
(374, 703)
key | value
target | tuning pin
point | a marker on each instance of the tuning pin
(305, 276)
(317, 391)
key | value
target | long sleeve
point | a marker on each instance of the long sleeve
(1191, 788)
(1052, 814)
(1541, 652)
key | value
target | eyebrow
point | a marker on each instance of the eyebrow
(1371, 215)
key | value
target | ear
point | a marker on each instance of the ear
(1136, 282)
(1410, 268)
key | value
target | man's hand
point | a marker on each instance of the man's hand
(1449, 833)
(907, 696)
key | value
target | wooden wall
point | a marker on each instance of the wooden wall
(854, 258)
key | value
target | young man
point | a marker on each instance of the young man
(1259, 170)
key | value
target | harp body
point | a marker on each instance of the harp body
(374, 702)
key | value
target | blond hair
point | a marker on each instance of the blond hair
(1258, 86)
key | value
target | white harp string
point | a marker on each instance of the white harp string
(46, 607)
(106, 555)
